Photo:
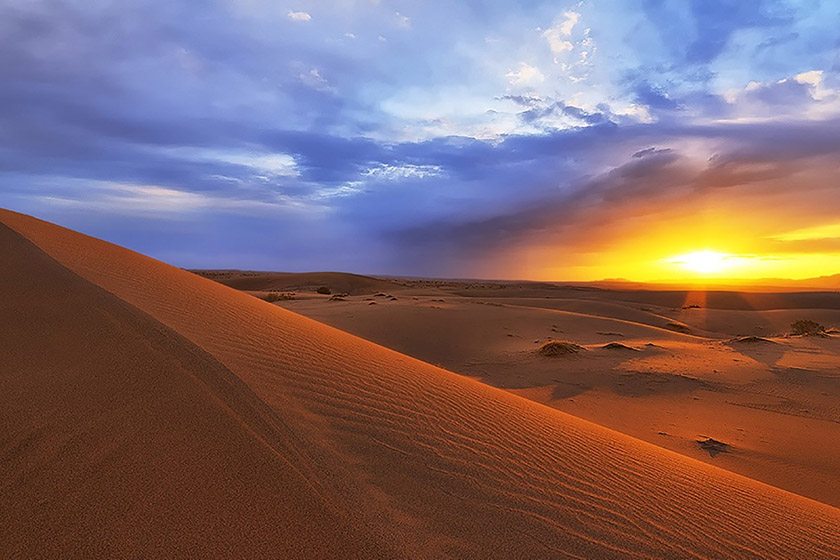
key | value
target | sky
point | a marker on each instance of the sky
(639, 139)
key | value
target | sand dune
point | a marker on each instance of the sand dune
(778, 404)
(150, 412)
(122, 438)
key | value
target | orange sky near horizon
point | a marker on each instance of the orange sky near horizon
(782, 235)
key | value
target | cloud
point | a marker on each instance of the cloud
(649, 181)
(820, 232)
(298, 16)
(314, 80)
(702, 30)
(403, 22)
(556, 43)
(558, 114)
(654, 97)
(776, 41)
(805, 94)
(557, 34)
(569, 23)
(159, 202)
(387, 172)
(526, 75)
(282, 165)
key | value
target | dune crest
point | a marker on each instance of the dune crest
(138, 391)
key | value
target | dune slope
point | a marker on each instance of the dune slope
(353, 444)
(121, 438)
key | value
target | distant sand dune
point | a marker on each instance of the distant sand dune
(338, 282)
(146, 411)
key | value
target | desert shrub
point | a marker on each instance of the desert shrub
(619, 346)
(806, 327)
(324, 290)
(750, 340)
(559, 348)
(272, 297)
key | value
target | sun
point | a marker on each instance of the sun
(704, 262)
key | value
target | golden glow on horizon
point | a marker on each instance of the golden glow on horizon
(696, 267)
(704, 262)
(718, 244)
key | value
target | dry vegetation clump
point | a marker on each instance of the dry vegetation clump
(751, 340)
(619, 346)
(805, 327)
(559, 348)
(281, 296)
(324, 290)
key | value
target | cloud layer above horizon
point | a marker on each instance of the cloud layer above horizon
(535, 140)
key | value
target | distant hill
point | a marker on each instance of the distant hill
(337, 282)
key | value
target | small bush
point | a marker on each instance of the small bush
(274, 296)
(619, 346)
(750, 340)
(324, 290)
(559, 348)
(804, 327)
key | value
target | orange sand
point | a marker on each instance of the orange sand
(150, 412)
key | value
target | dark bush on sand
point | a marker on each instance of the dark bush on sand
(274, 296)
(804, 327)
(559, 348)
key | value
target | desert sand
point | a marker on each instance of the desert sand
(671, 368)
(150, 412)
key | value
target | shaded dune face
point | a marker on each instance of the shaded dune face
(193, 418)
(122, 438)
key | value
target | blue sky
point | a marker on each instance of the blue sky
(499, 139)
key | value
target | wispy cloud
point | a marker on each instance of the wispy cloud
(824, 231)
(314, 80)
(298, 16)
(402, 21)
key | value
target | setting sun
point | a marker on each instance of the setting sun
(704, 262)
